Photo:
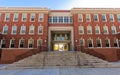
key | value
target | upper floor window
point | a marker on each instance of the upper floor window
(81, 42)
(88, 18)
(55, 20)
(31, 29)
(39, 42)
(66, 19)
(14, 29)
(5, 29)
(118, 17)
(71, 19)
(105, 28)
(96, 18)
(97, 29)
(113, 28)
(21, 43)
(40, 29)
(32, 17)
(50, 19)
(104, 18)
(3, 43)
(0, 15)
(24, 17)
(41, 17)
(115, 41)
(80, 18)
(89, 29)
(7, 17)
(12, 43)
(111, 18)
(81, 30)
(23, 29)
(60, 19)
(15, 17)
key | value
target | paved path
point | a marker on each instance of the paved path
(65, 71)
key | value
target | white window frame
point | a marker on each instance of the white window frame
(41, 15)
(2, 42)
(80, 16)
(111, 15)
(24, 15)
(38, 41)
(31, 16)
(118, 15)
(38, 30)
(105, 28)
(30, 28)
(83, 42)
(13, 30)
(32, 43)
(90, 29)
(113, 28)
(100, 42)
(97, 27)
(7, 14)
(16, 16)
(117, 42)
(4, 29)
(108, 42)
(21, 30)
(20, 42)
(105, 18)
(88, 16)
(11, 43)
(97, 18)
(81, 28)
(92, 43)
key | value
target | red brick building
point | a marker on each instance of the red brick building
(91, 30)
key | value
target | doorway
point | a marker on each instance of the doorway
(60, 47)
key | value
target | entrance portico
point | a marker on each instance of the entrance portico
(60, 38)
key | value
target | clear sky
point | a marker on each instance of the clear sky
(61, 4)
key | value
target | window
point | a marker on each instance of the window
(5, 29)
(113, 28)
(40, 29)
(71, 19)
(50, 19)
(7, 17)
(12, 43)
(15, 17)
(105, 28)
(81, 30)
(107, 42)
(3, 43)
(31, 29)
(41, 17)
(104, 18)
(90, 43)
(96, 18)
(32, 17)
(118, 17)
(55, 19)
(97, 29)
(39, 42)
(111, 18)
(60, 19)
(66, 19)
(14, 29)
(80, 18)
(115, 42)
(81, 42)
(21, 43)
(98, 42)
(0, 15)
(88, 18)
(89, 29)
(23, 30)
(24, 17)
(30, 43)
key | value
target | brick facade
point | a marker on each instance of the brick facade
(5, 52)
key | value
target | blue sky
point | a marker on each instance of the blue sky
(61, 4)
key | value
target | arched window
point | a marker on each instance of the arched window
(107, 42)
(30, 43)
(115, 40)
(21, 43)
(39, 42)
(12, 43)
(82, 42)
(3, 43)
(90, 43)
(98, 42)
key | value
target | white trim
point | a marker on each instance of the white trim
(11, 42)
(80, 16)
(97, 27)
(16, 15)
(20, 41)
(4, 29)
(92, 43)
(97, 18)
(82, 29)
(42, 30)
(112, 17)
(30, 30)
(32, 14)
(21, 30)
(12, 30)
(105, 18)
(88, 16)
(41, 14)
(6, 17)
(22, 17)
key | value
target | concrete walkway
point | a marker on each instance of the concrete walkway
(63, 71)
